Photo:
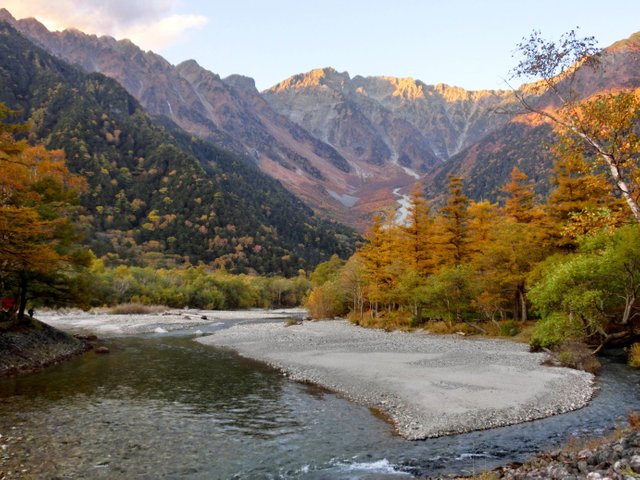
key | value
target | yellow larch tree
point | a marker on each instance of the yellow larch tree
(418, 235)
(581, 202)
(451, 227)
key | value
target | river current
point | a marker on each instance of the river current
(164, 406)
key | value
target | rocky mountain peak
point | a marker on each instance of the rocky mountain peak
(383, 87)
(319, 77)
(31, 25)
(347, 146)
(406, 88)
(190, 68)
(6, 16)
(242, 83)
(452, 94)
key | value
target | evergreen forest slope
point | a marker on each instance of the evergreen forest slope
(156, 194)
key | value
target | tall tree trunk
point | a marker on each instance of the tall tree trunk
(623, 187)
(523, 302)
(22, 296)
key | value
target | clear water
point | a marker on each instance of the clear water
(163, 406)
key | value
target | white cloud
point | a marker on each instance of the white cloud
(164, 31)
(152, 24)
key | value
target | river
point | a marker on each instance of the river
(164, 406)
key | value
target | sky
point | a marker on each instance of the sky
(467, 43)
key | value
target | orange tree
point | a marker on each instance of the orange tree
(581, 202)
(451, 242)
(40, 254)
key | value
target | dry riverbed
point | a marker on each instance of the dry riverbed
(174, 319)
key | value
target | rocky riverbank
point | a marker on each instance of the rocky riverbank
(34, 346)
(618, 458)
(427, 385)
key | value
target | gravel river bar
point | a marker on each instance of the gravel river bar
(427, 385)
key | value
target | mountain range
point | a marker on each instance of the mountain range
(158, 195)
(342, 145)
(347, 146)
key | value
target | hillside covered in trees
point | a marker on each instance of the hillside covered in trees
(155, 195)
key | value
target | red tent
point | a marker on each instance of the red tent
(8, 303)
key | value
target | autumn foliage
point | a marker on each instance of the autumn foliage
(471, 265)
(39, 250)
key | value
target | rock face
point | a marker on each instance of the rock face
(305, 165)
(524, 141)
(230, 112)
(400, 120)
(148, 77)
(394, 131)
(343, 145)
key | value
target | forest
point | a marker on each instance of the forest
(572, 263)
(102, 204)
(46, 262)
